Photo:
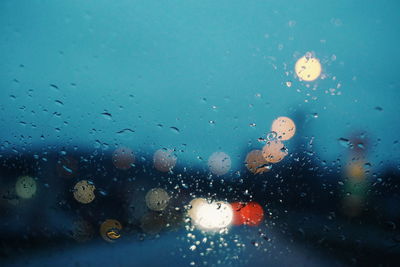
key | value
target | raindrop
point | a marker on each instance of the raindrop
(271, 136)
(58, 102)
(125, 130)
(54, 86)
(107, 115)
(103, 192)
(391, 225)
(174, 129)
(368, 165)
(344, 142)
(262, 140)
(67, 169)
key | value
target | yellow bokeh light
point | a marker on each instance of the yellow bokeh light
(308, 68)
(110, 230)
(157, 199)
(113, 234)
(84, 192)
(356, 171)
(25, 187)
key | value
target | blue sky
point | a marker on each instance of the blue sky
(182, 64)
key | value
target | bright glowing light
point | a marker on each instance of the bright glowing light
(194, 207)
(251, 214)
(284, 128)
(25, 187)
(211, 216)
(157, 199)
(274, 151)
(219, 163)
(308, 68)
(256, 163)
(84, 192)
(164, 160)
(123, 158)
(110, 230)
(237, 207)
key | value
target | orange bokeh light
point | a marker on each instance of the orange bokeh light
(256, 163)
(274, 151)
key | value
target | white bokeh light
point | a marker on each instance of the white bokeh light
(219, 163)
(211, 216)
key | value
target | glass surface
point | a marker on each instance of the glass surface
(199, 133)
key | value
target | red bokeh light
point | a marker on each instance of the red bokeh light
(237, 213)
(250, 214)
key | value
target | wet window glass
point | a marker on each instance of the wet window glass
(199, 133)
